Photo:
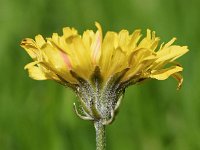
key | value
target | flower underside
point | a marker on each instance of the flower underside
(100, 68)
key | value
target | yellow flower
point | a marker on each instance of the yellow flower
(93, 63)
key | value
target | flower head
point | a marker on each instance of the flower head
(100, 68)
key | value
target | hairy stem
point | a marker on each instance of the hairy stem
(100, 135)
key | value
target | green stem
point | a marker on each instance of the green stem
(100, 135)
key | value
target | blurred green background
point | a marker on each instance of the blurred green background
(38, 115)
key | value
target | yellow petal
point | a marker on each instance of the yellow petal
(134, 40)
(118, 62)
(108, 46)
(36, 73)
(83, 56)
(56, 58)
(31, 64)
(39, 41)
(88, 39)
(69, 32)
(96, 44)
(165, 73)
(151, 41)
(171, 53)
(139, 61)
(30, 46)
(139, 55)
(124, 39)
(55, 38)
(169, 43)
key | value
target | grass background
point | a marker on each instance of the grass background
(38, 115)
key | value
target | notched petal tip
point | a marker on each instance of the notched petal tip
(151, 35)
(136, 34)
(170, 42)
(186, 49)
(97, 24)
(26, 42)
(29, 45)
(69, 32)
(148, 34)
(40, 40)
(137, 30)
(23, 42)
